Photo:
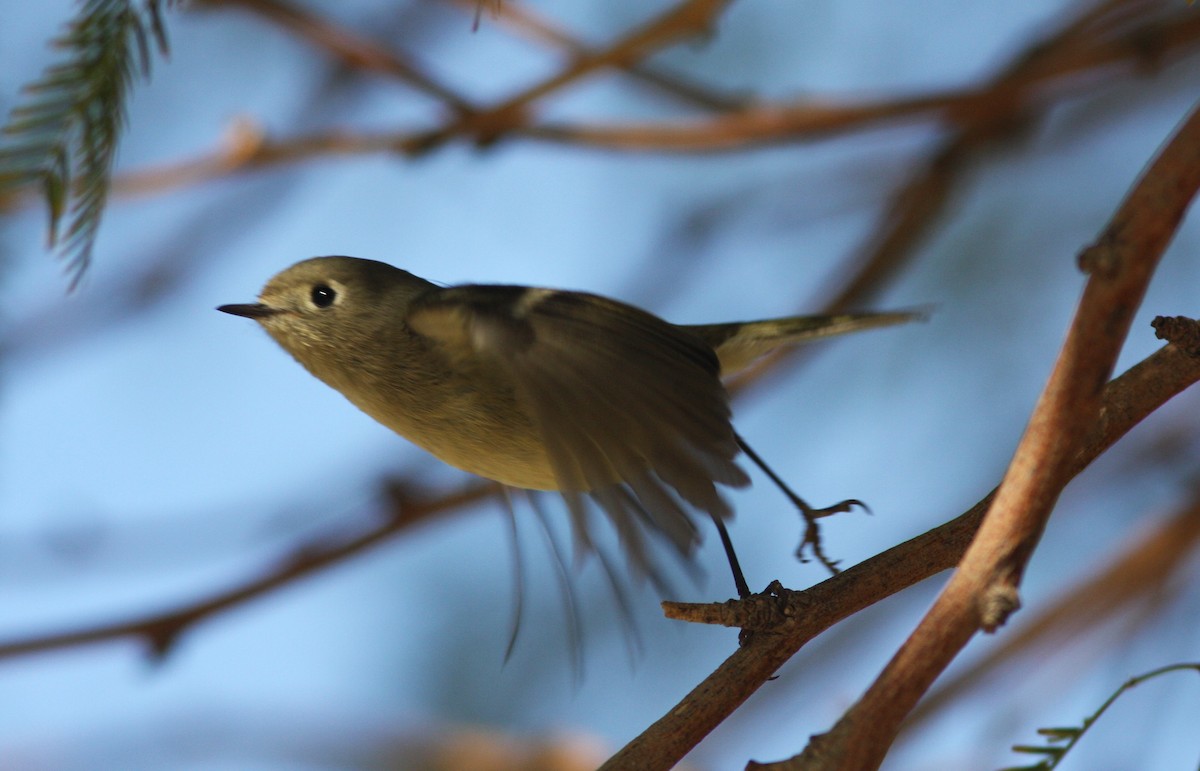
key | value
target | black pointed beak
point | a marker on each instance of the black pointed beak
(250, 310)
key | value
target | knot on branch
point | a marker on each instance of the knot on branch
(766, 611)
(1180, 331)
(1102, 258)
(997, 604)
(161, 636)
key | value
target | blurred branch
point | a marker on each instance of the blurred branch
(161, 630)
(359, 52)
(687, 19)
(980, 115)
(983, 592)
(527, 23)
(1073, 61)
(246, 148)
(1126, 401)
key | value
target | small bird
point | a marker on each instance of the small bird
(542, 389)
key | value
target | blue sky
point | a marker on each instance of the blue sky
(151, 454)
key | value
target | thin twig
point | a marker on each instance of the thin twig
(687, 19)
(526, 22)
(351, 49)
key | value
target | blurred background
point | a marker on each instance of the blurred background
(155, 454)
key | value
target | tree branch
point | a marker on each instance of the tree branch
(1131, 585)
(527, 23)
(688, 18)
(1127, 400)
(984, 590)
(1049, 70)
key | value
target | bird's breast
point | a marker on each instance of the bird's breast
(473, 423)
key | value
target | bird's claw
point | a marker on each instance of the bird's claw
(841, 507)
(812, 534)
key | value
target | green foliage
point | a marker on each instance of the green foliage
(1059, 741)
(63, 136)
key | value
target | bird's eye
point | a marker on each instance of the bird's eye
(323, 295)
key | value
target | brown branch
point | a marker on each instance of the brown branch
(687, 19)
(522, 20)
(361, 53)
(1049, 71)
(984, 590)
(757, 126)
(162, 629)
(247, 149)
(1133, 582)
(1126, 401)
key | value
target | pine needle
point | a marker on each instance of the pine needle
(63, 136)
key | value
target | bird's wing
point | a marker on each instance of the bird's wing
(630, 408)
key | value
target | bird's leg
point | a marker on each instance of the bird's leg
(812, 534)
(739, 580)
